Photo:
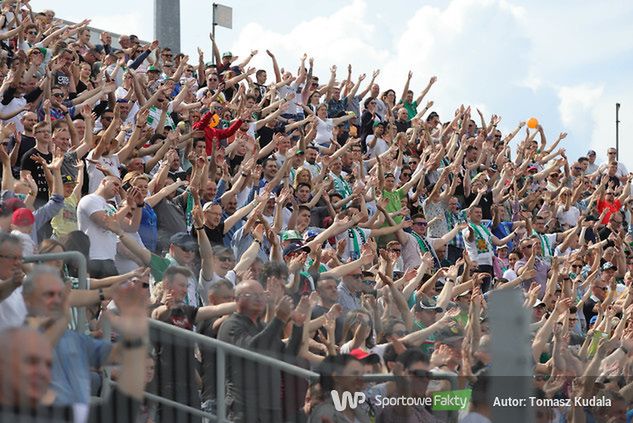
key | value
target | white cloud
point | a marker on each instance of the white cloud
(576, 102)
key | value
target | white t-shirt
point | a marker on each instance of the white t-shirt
(95, 176)
(379, 148)
(356, 237)
(102, 242)
(481, 248)
(569, 217)
(411, 251)
(324, 132)
(28, 245)
(12, 310)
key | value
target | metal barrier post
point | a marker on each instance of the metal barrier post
(82, 276)
(220, 385)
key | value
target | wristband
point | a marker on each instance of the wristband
(200, 228)
(258, 241)
(140, 206)
(624, 349)
(132, 344)
(101, 295)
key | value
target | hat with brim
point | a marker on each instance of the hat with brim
(291, 235)
(538, 303)
(183, 240)
(295, 247)
(364, 356)
(426, 306)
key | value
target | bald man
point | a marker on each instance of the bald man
(256, 389)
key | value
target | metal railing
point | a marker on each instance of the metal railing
(222, 349)
(79, 260)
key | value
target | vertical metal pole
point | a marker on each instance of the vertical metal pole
(215, 5)
(219, 388)
(617, 131)
(511, 356)
(167, 23)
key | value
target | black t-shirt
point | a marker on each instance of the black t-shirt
(215, 235)
(208, 373)
(265, 136)
(26, 144)
(37, 171)
(402, 126)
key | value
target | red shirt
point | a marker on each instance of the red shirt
(216, 134)
(611, 207)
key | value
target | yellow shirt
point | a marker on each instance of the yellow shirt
(66, 220)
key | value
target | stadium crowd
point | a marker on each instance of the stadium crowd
(319, 219)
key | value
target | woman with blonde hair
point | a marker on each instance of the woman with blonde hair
(566, 213)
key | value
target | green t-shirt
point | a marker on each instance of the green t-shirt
(395, 201)
(412, 108)
(157, 266)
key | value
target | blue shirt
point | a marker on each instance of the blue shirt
(148, 229)
(75, 354)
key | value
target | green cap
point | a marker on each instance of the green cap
(291, 235)
(153, 69)
(227, 54)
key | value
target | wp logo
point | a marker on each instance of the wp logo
(341, 401)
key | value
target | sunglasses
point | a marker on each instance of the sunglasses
(60, 95)
(225, 259)
(419, 223)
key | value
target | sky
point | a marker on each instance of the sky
(567, 62)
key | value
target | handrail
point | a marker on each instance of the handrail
(223, 348)
(78, 260)
(173, 404)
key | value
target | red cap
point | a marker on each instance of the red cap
(23, 217)
(365, 356)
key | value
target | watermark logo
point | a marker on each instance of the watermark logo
(451, 400)
(342, 401)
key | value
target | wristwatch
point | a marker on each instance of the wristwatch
(132, 344)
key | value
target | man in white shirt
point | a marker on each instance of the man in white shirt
(93, 214)
(12, 308)
(612, 155)
(479, 242)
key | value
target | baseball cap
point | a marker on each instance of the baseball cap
(227, 54)
(428, 306)
(591, 153)
(23, 217)
(184, 241)
(291, 235)
(608, 265)
(538, 303)
(68, 179)
(364, 356)
(294, 247)
(153, 69)
(379, 123)
(222, 251)
(311, 234)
